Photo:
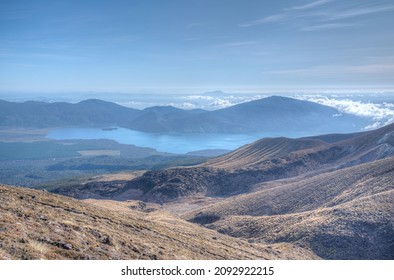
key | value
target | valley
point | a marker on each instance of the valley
(325, 196)
(197, 130)
(334, 199)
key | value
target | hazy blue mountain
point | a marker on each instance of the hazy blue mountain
(162, 119)
(91, 112)
(287, 114)
(279, 115)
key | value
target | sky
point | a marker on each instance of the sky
(195, 46)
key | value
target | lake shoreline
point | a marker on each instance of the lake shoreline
(170, 143)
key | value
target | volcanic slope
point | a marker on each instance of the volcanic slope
(357, 148)
(344, 214)
(39, 225)
(263, 150)
(262, 161)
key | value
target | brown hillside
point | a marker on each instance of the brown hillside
(254, 154)
(324, 190)
(360, 229)
(38, 225)
(263, 161)
(345, 214)
(264, 153)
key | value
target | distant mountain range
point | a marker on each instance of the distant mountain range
(279, 115)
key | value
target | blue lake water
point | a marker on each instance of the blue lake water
(177, 143)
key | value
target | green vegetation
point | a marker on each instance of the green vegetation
(113, 163)
(37, 163)
(36, 150)
(67, 149)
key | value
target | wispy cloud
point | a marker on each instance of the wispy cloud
(77, 19)
(40, 56)
(376, 68)
(285, 15)
(309, 5)
(384, 69)
(238, 44)
(350, 13)
(195, 24)
(24, 65)
(327, 26)
(191, 39)
(124, 39)
(311, 15)
(307, 71)
(268, 19)
(17, 12)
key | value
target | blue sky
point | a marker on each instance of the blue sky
(195, 45)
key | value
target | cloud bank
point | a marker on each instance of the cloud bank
(380, 113)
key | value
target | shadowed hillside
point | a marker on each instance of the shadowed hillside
(325, 190)
(345, 214)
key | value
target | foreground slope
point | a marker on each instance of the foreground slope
(345, 214)
(38, 225)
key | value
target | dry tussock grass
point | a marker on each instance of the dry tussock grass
(39, 225)
(345, 214)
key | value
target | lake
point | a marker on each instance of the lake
(171, 143)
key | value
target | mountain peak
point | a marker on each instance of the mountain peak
(93, 101)
(215, 93)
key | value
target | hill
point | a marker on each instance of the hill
(263, 161)
(313, 152)
(38, 225)
(272, 115)
(278, 114)
(306, 194)
(91, 112)
(262, 150)
(345, 214)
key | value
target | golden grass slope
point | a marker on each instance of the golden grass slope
(323, 190)
(310, 154)
(345, 214)
(39, 225)
(361, 229)
(258, 152)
